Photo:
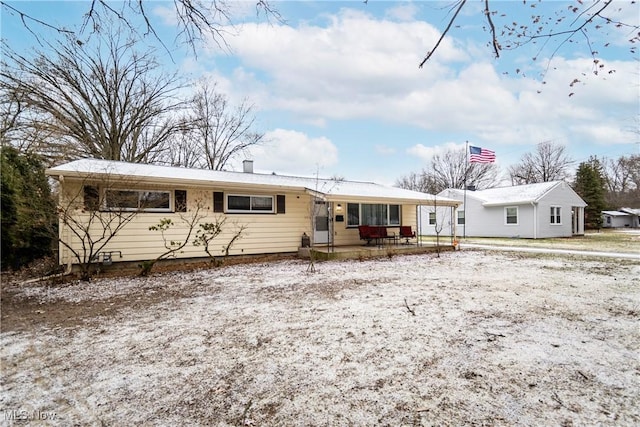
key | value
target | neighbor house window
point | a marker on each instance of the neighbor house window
(138, 200)
(372, 214)
(249, 204)
(556, 218)
(511, 215)
(432, 218)
(460, 217)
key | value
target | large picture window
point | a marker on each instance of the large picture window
(372, 214)
(138, 200)
(249, 204)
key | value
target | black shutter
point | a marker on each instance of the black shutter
(280, 204)
(91, 198)
(218, 201)
(180, 200)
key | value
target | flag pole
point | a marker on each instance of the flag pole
(464, 202)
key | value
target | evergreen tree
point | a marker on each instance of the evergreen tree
(590, 185)
(28, 210)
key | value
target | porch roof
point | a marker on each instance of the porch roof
(325, 189)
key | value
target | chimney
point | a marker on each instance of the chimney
(247, 166)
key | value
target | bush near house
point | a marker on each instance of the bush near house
(29, 222)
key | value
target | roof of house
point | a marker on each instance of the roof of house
(326, 189)
(615, 213)
(630, 211)
(512, 195)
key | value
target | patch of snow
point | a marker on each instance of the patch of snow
(497, 338)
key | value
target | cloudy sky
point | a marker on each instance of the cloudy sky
(338, 90)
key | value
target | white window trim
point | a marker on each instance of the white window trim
(557, 212)
(250, 211)
(435, 218)
(458, 218)
(506, 215)
(138, 209)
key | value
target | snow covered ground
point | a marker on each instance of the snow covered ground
(472, 337)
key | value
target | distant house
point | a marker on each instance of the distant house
(625, 217)
(278, 213)
(535, 211)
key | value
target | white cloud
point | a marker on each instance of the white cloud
(402, 12)
(292, 152)
(359, 67)
(385, 150)
(426, 153)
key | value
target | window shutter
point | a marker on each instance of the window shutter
(218, 201)
(280, 204)
(91, 198)
(180, 200)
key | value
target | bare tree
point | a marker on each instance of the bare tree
(217, 131)
(197, 21)
(451, 170)
(209, 231)
(104, 100)
(622, 180)
(418, 181)
(549, 162)
(171, 245)
(550, 28)
(86, 225)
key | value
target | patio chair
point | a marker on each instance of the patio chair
(407, 233)
(365, 233)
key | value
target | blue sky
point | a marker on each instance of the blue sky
(338, 90)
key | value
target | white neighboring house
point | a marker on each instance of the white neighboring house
(534, 211)
(625, 217)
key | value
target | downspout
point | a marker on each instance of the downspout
(535, 219)
(454, 223)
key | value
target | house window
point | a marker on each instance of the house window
(432, 218)
(556, 218)
(372, 214)
(353, 214)
(460, 217)
(138, 200)
(249, 204)
(394, 214)
(511, 215)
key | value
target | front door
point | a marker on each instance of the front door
(321, 223)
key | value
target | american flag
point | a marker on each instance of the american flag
(481, 155)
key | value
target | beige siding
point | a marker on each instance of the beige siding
(264, 233)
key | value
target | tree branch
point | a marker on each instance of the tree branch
(444, 33)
